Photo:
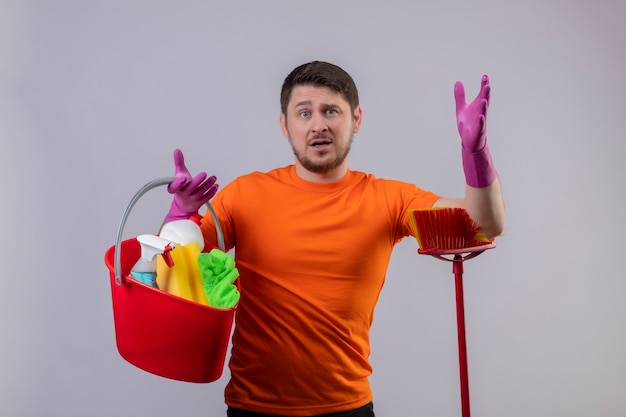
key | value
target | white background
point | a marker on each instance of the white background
(95, 95)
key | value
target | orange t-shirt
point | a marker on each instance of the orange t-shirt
(312, 259)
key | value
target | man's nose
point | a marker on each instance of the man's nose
(319, 123)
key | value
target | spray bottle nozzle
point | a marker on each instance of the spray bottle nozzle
(152, 245)
(145, 268)
(167, 256)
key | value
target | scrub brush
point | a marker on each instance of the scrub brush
(450, 231)
(445, 230)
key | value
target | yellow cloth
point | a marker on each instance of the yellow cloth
(183, 279)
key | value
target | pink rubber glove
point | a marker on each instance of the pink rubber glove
(472, 123)
(189, 193)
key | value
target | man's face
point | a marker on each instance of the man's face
(320, 127)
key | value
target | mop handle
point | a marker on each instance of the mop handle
(149, 186)
(457, 270)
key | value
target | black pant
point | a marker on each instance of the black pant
(365, 411)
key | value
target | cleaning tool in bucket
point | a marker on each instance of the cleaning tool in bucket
(218, 273)
(145, 268)
(443, 232)
(183, 279)
(184, 232)
(159, 332)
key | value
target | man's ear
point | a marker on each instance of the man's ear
(358, 118)
(283, 125)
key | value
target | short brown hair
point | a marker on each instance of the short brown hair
(319, 73)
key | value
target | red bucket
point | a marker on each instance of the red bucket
(159, 332)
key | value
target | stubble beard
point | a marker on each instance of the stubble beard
(320, 168)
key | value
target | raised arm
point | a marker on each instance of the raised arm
(483, 194)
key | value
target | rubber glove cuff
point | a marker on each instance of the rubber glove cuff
(478, 167)
(177, 213)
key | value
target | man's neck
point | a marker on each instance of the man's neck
(329, 176)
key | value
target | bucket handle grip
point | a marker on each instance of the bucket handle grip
(149, 186)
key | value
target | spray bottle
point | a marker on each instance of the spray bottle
(146, 267)
(184, 232)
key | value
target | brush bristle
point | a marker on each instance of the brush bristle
(445, 228)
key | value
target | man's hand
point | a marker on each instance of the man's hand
(189, 193)
(472, 118)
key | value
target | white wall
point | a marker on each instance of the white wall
(95, 95)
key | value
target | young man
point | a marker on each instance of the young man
(313, 241)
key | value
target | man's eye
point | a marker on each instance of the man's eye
(304, 114)
(331, 111)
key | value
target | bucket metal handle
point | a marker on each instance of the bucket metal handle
(149, 186)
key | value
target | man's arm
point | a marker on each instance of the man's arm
(484, 205)
(483, 195)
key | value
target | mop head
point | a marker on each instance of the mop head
(444, 228)
(218, 273)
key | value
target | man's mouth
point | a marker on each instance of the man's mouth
(320, 142)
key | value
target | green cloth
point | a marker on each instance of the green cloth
(218, 273)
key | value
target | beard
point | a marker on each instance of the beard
(322, 167)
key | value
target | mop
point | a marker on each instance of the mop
(444, 233)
